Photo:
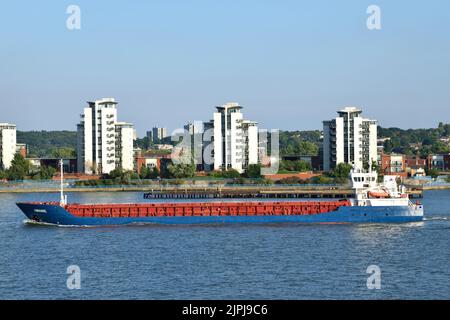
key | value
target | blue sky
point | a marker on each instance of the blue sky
(291, 64)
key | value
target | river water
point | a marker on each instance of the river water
(224, 261)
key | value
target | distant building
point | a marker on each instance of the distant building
(195, 132)
(250, 143)
(149, 135)
(440, 162)
(103, 143)
(7, 144)
(393, 164)
(415, 146)
(124, 145)
(208, 146)
(149, 162)
(229, 140)
(380, 144)
(145, 160)
(415, 162)
(157, 134)
(417, 172)
(349, 138)
(22, 149)
(194, 127)
(167, 147)
(445, 140)
(69, 164)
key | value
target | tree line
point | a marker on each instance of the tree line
(59, 144)
(49, 144)
(421, 142)
(21, 169)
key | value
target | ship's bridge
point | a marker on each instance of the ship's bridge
(363, 180)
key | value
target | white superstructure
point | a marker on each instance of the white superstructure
(368, 192)
(7, 144)
(100, 142)
(349, 138)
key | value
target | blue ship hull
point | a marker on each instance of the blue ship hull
(55, 214)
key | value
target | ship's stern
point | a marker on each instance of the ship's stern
(416, 210)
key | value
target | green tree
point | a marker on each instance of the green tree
(433, 173)
(44, 173)
(302, 166)
(117, 173)
(149, 173)
(388, 146)
(428, 141)
(154, 173)
(182, 170)
(294, 166)
(308, 148)
(299, 142)
(401, 140)
(254, 171)
(42, 143)
(143, 143)
(63, 153)
(342, 170)
(325, 180)
(145, 171)
(226, 174)
(121, 176)
(19, 168)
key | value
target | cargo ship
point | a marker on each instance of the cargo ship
(373, 202)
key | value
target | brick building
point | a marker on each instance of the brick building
(393, 164)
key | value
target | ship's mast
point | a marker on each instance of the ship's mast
(63, 199)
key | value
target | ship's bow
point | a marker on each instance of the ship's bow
(42, 212)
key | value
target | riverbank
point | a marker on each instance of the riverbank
(443, 187)
(239, 191)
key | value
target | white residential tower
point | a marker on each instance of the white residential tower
(233, 140)
(7, 144)
(349, 138)
(103, 143)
